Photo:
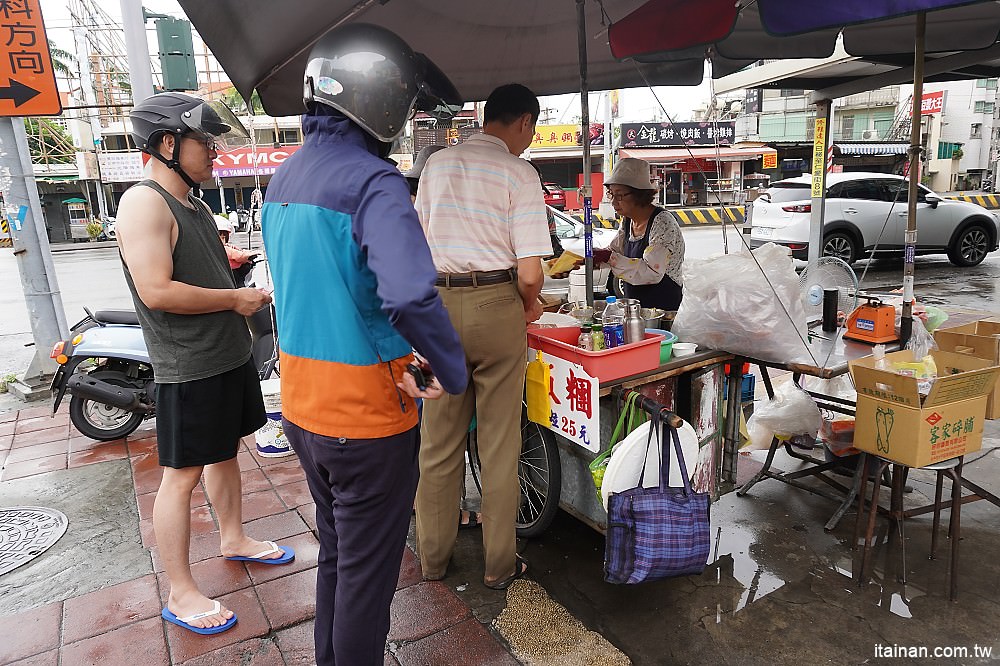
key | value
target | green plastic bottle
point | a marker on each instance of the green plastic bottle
(598, 335)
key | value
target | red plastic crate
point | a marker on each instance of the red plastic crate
(608, 364)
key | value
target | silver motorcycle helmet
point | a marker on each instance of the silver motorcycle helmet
(374, 78)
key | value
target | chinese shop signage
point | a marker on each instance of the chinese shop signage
(659, 135)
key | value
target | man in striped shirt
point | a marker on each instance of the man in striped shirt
(483, 212)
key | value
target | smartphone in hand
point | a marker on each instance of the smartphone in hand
(421, 378)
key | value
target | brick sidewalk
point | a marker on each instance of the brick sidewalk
(275, 604)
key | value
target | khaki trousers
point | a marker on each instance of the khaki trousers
(490, 323)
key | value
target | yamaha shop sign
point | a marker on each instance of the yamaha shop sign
(662, 135)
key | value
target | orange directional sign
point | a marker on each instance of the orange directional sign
(27, 80)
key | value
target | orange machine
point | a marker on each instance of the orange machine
(873, 322)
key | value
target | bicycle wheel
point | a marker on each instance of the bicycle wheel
(539, 476)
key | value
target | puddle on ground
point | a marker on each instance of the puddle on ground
(740, 556)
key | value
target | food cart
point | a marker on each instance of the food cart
(508, 43)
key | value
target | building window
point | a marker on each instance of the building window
(984, 107)
(288, 136)
(989, 84)
(977, 131)
(847, 128)
(946, 150)
(792, 92)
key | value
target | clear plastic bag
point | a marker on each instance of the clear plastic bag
(921, 342)
(729, 305)
(791, 412)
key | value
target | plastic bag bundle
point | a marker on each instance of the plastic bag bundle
(728, 305)
(791, 412)
(921, 343)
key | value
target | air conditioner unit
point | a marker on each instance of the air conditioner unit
(869, 135)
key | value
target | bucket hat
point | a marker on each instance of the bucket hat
(631, 172)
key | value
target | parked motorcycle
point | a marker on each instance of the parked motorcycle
(105, 367)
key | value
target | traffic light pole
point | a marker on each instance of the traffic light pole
(34, 259)
(140, 74)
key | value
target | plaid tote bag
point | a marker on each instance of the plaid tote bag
(657, 532)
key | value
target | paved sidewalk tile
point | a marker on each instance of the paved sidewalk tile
(42, 436)
(410, 572)
(466, 643)
(260, 504)
(296, 644)
(289, 600)
(295, 494)
(40, 423)
(36, 451)
(98, 454)
(424, 609)
(110, 608)
(19, 470)
(50, 658)
(30, 632)
(255, 652)
(141, 643)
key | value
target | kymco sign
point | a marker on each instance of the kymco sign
(240, 162)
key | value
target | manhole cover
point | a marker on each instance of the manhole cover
(26, 532)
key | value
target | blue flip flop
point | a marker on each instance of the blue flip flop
(287, 555)
(167, 615)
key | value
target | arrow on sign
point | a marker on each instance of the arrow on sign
(18, 92)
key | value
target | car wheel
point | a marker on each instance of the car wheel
(841, 246)
(970, 247)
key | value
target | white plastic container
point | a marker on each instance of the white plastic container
(271, 390)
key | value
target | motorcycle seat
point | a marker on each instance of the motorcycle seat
(127, 317)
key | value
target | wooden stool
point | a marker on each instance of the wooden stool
(897, 514)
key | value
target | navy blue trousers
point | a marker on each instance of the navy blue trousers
(363, 489)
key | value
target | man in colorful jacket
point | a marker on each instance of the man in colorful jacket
(354, 292)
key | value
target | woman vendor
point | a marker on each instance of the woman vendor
(649, 249)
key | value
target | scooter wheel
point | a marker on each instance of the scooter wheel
(101, 421)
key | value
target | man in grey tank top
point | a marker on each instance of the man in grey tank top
(193, 320)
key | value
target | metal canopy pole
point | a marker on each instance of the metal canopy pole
(585, 190)
(910, 240)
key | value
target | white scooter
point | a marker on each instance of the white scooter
(105, 367)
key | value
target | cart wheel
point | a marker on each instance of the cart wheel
(539, 475)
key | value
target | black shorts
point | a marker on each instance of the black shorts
(201, 422)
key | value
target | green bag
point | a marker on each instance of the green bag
(631, 418)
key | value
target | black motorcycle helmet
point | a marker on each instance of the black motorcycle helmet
(374, 78)
(179, 114)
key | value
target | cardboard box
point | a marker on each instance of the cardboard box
(980, 339)
(893, 422)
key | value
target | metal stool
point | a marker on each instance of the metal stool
(953, 469)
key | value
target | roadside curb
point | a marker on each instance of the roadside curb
(74, 247)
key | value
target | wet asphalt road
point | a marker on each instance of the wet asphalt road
(93, 278)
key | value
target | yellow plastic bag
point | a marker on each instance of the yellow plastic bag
(536, 390)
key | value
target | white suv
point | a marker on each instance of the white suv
(866, 216)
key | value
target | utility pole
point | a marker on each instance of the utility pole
(34, 259)
(89, 96)
(134, 25)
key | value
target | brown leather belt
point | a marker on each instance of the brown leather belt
(475, 278)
